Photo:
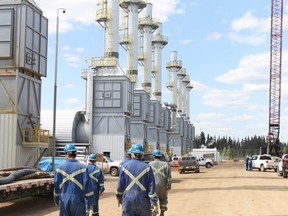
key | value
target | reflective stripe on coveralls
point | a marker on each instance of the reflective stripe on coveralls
(135, 180)
(136, 186)
(162, 175)
(71, 186)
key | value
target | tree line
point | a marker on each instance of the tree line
(231, 148)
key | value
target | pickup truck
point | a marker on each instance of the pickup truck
(108, 166)
(282, 168)
(188, 163)
(208, 163)
(264, 162)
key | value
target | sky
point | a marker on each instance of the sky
(224, 46)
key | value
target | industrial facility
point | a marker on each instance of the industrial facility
(120, 108)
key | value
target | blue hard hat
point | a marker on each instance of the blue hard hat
(92, 157)
(129, 151)
(137, 149)
(157, 153)
(70, 148)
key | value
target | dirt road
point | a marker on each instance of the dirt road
(224, 190)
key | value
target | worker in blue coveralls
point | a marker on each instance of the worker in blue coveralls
(162, 174)
(72, 185)
(136, 189)
(97, 178)
(128, 158)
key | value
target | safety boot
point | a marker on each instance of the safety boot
(162, 213)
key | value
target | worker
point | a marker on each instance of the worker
(162, 174)
(97, 178)
(247, 162)
(136, 189)
(72, 185)
(128, 158)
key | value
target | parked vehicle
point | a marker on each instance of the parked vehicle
(189, 163)
(282, 167)
(108, 165)
(208, 163)
(148, 157)
(264, 162)
(175, 161)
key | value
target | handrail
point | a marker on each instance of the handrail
(35, 136)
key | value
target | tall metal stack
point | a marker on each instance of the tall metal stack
(158, 43)
(23, 63)
(111, 104)
(147, 25)
(141, 98)
(175, 141)
(186, 88)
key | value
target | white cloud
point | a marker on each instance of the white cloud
(203, 116)
(250, 30)
(69, 86)
(222, 98)
(214, 36)
(71, 101)
(185, 41)
(250, 22)
(252, 39)
(255, 87)
(254, 67)
(80, 49)
(199, 87)
(72, 60)
(256, 107)
(66, 48)
(243, 117)
(162, 9)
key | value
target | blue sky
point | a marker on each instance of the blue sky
(224, 46)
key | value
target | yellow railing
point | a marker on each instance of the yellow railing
(35, 137)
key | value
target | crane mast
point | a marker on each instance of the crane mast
(275, 76)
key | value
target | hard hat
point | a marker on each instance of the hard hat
(137, 149)
(70, 148)
(92, 157)
(157, 153)
(129, 151)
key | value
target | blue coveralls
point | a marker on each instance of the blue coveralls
(162, 174)
(136, 186)
(97, 177)
(123, 162)
(71, 185)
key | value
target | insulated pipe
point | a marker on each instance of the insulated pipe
(185, 82)
(173, 67)
(189, 87)
(159, 41)
(112, 29)
(180, 75)
(147, 26)
(132, 8)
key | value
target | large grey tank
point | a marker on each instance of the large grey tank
(23, 62)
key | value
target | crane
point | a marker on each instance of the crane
(275, 76)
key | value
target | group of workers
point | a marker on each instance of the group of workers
(140, 187)
(76, 186)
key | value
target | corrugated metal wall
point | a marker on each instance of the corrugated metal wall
(109, 143)
(64, 123)
(8, 126)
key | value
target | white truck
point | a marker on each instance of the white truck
(108, 165)
(264, 162)
(208, 163)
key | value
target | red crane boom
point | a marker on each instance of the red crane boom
(275, 76)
